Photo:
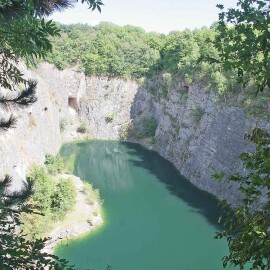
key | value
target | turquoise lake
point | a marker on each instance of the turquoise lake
(154, 219)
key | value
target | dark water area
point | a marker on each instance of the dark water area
(153, 217)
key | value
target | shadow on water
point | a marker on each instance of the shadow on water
(202, 202)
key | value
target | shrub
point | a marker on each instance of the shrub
(183, 90)
(167, 79)
(82, 128)
(52, 199)
(197, 113)
(54, 164)
(43, 188)
(147, 129)
(109, 118)
(64, 197)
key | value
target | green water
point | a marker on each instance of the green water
(154, 218)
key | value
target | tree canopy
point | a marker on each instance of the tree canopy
(243, 40)
(243, 44)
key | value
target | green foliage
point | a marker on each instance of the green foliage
(105, 49)
(30, 41)
(64, 197)
(53, 200)
(17, 252)
(54, 164)
(82, 128)
(148, 128)
(247, 230)
(109, 118)
(130, 52)
(24, 33)
(244, 47)
(196, 113)
(44, 187)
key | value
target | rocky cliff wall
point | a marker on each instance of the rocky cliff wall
(38, 127)
(197, 134)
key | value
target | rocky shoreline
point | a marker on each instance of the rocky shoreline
(82, 219)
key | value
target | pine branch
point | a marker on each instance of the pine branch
(23, 99)
(28, 96)
(5, 183)
(5, 124)
(17, 197)
(47, 7)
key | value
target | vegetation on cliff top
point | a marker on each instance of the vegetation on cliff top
(192, 57)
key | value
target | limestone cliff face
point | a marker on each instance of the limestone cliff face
(196, 134)
(38, 128)
(199, 143)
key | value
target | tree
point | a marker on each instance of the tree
(243, 44)
(247, 230)
(24, 33)
(15, 251)
(243, 41)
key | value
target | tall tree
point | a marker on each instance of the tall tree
(243, 40)
(243, 43)
(24, 33)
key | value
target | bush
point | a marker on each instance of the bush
(64, 198)
(43, 188)
(183, 91)
(109, 118)
(82, 128)
(167, 79)
(54, 164)
(148, 128)
(52, 199)
(197, 113)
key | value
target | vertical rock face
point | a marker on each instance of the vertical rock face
(106, 106)
(198, 135)
(38, 129)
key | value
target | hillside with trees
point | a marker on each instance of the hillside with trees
(130, 52)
